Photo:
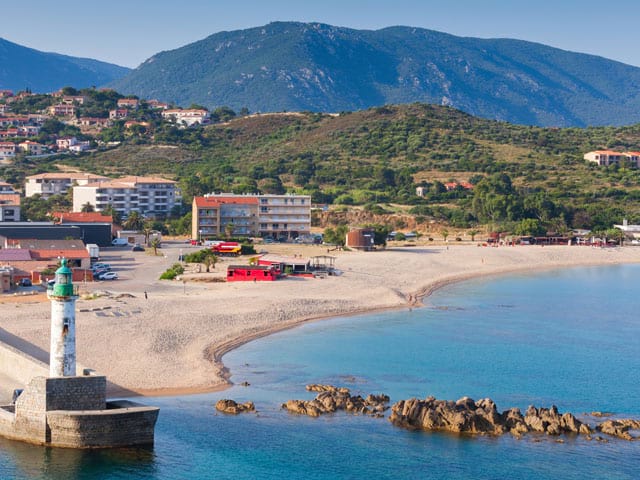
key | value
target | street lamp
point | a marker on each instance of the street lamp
(199, 236)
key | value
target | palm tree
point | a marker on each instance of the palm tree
(445, 234)
(134, 221)
(147, 231)
(473, 234)
(228, 230)
(155, 244)
(210, 261)
(87, 208)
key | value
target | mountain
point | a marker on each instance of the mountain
(309, 66)
(22, 67)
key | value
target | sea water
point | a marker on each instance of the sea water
(565, 337)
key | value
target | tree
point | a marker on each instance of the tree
(473, 234)
(146, 230)
(87, 208)
(530, 227)
(115, 215)
(210, 262)
(228, 230)
(337, 236)
(155, 244)
(134, 221)
(445, 234)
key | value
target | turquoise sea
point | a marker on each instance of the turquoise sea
(566, 337)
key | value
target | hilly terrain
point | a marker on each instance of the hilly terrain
(24, 68)
(374, 159)
(287, 66)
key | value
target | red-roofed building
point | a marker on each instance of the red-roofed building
(128, 103)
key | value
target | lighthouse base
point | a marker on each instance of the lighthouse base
(73, 412)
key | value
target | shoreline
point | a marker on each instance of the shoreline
(414, 300)
(174, 342)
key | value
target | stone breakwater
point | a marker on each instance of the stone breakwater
(331, 399)
(482, 417)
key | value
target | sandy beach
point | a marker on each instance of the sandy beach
(173, 341)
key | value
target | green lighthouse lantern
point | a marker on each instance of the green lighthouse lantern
(63, 286)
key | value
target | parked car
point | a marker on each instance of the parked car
(137, 248)
(119, 242)
(100, 264)
(25, 282)
(50, 283)
(108, 276)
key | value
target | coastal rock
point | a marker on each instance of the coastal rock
(331, 399)
(620, 428)
(234, 408)
(482, 417)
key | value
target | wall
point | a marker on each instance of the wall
(20, 366)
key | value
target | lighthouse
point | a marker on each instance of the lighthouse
(62, 356)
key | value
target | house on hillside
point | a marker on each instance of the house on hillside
(607, 158)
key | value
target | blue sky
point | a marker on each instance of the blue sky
(127, 32)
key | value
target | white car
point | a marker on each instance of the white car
(108, 276)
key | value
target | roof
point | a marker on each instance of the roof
(12, 198)
(217, 201)
(40, 254)
(606, 152)
(82, 217)
(30, 266)
(63, 176)
(132, 179)
(283, 259)
(107, 184)
(14, 254)
(72, 245)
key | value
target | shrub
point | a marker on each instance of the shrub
(172, 272)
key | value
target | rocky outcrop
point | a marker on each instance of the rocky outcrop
(482, 417)
(620, 428)
(331, 399)
(234, 408)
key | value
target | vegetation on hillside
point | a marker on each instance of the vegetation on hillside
(528, 178)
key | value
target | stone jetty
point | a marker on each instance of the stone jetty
(331, 399)
(468, 416)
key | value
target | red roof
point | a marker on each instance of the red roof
(82, 217)
(43, 254)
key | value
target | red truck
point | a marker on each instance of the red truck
(227, 249)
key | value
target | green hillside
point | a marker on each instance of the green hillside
(376, 158)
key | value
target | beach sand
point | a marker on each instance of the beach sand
(173, 342)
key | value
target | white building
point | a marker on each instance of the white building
(9, 203)
(147, 195)
(7, 150)
(47, 184)
(630, 230)
(606, 158)
(186, 117)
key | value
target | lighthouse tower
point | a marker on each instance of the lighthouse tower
(62, 356)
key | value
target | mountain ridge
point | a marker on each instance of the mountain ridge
(23, 67)
(286, 66)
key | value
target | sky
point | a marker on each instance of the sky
(127, 32)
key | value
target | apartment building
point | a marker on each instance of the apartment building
(284, 216)
(215, 215)
(48, 184)
(275, 216)
(147, 195)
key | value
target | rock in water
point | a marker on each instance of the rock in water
(234, 408)
(331, 399)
